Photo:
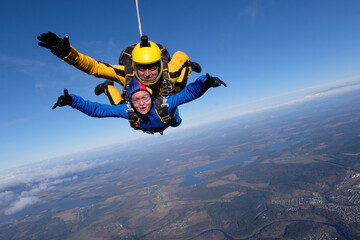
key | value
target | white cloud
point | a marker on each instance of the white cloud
(24, 65)
(37, 189)
(40, 172)
(20, 61)
(6, 197)
(15, 121)
(250, 10)
(308, 94)
(36, 178)
(298, 96)
(21, 204)
(59, 181)
(13, 204)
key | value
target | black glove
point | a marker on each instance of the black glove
(195, 66)
(58, 46)
(63, 100)
(214, 81)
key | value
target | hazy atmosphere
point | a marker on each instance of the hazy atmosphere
(275, 155)
(269, 52)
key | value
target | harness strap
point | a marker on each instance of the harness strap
(125, 95)
(133, 118)
(165, 91)
(164, 114)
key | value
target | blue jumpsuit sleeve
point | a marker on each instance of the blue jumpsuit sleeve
(94, 109)
(191, 92)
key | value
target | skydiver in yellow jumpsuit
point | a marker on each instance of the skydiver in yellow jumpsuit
(147, 61)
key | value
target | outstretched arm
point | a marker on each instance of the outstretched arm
(62, 49)
(194, 90)
(92, 109)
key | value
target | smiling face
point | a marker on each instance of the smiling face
(148, 73)
(141, 101)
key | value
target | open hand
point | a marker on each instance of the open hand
(58, 46)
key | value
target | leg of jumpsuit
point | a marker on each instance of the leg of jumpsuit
(113, 95)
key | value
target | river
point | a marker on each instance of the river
(254, 236)
(190, 179)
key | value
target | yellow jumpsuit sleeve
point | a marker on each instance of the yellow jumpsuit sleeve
(96, 68)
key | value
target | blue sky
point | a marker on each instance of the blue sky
(267, 52)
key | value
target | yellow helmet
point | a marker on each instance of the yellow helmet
(147, 55)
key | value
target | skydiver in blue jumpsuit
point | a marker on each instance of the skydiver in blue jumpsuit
(143, 102)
